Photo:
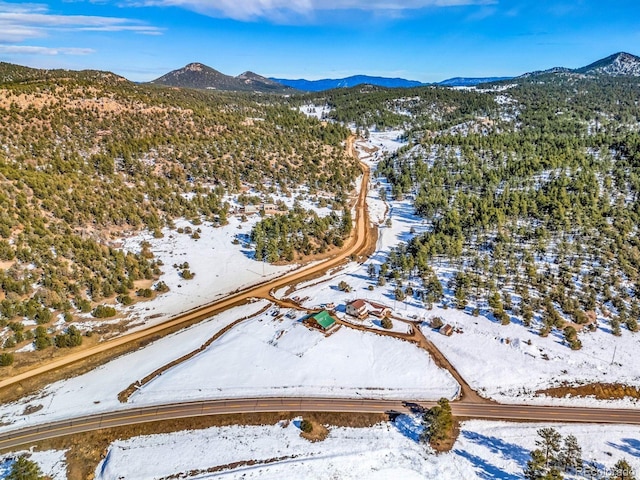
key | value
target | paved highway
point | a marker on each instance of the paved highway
(131, 416)
(357, 243)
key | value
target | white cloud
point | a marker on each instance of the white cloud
(279, 9)
(20, 22)
(34, 50)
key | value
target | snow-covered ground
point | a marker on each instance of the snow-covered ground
(262, 356)
(220, 267)
(97, 391)
(266, 356)
(51, 462)
(484, 450)
(485, 347)
(316, 111)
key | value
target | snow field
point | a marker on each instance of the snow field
(220, 267)
(266, 356)
(484, 450)
(482, 353)
(97, 391)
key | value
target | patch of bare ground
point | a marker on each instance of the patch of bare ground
(366, 148)
(143, 283)
(86, 450)
(443, 446)
(228, 466)
(27, 360)
(318, 433)
(6, 264)
(600, 391)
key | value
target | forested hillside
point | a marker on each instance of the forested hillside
(532, 200)
(369, 106)
(88, 156)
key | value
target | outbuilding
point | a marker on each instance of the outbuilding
(446, 330)
(322, 321)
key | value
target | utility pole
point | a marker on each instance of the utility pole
(614, 354)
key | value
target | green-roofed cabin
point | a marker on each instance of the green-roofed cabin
(322, 320)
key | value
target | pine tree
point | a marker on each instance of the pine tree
(438, 422)
(549, 444)
(371, 270)
(535, 467)
(571, 454)
(24, 469)
(537, 470)
(622, 471)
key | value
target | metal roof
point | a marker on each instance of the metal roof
(324, 319)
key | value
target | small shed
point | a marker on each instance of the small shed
(446, 330)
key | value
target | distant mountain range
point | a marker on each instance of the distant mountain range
(199, 76)
(331, 83)
(469, 82)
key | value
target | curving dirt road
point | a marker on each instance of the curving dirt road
(471, 405)
(357, 243)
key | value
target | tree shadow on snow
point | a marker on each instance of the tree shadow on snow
(628, 445)
(250, 254)
(507, 450)
(361, 276)
(410, 426)
(485, 470)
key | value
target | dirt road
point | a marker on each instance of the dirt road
(356, 244)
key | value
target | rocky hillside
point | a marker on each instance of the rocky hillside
(617, 64)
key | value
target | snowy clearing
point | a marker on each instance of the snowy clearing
(267, 356)
(220, 267)
(484, 450)
(481, 353)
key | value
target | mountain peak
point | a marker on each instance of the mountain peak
(195, 67)
(621, 63)
(199, 76)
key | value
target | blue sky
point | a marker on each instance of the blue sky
(427, 40)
